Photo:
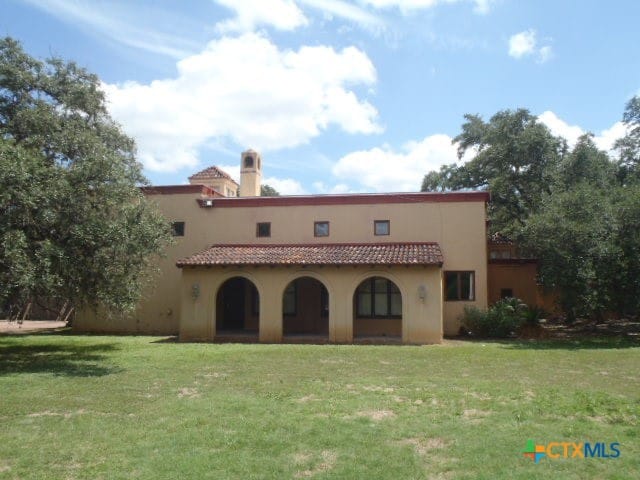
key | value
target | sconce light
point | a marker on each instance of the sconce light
(195, 291)
(422, 292)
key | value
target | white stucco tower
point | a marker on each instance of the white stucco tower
(250, 174)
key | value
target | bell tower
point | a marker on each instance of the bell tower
(250, 174)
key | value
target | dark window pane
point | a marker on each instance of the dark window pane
(380, 285)
(451, 285)
(381, 227)
(396, 304)
(364, 305)
(506, 293)
(177, 229)
(321, 229)
(263, 229)
(466, 285)
(380, 304)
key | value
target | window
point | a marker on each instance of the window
(506, 293)
(177, 229)
(321, 229)
(459, 286)
(263, 229)
(289, 300)
(378, 297)
(248, 162)
(381, 227)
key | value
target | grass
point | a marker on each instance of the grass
(137, 407)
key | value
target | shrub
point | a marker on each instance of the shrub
(501, 320)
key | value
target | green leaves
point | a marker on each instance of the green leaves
(73, 222)
(513, 156)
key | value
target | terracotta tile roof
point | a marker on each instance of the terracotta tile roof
(211, 172)
(319, 254)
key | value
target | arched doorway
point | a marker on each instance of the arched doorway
(305, 308)
(237, 307)
(377, 309)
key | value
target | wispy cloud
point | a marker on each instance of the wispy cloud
(480, 6)
(346, 11)
(114, 22)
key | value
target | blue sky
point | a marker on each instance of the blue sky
(337, 96)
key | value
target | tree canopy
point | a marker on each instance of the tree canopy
(74, 224)
(577, 211)
(268, 191)
(513, 157)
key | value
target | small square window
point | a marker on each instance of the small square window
(263, 229)
(321, 229)
(381, 227)
(506, 293)
(177, 229)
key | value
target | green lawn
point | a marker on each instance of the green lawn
(138, 407)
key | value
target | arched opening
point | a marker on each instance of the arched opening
(237, 307)
(377, 309)
(305, 308)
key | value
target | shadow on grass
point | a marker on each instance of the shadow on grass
(57, 359)
(583, 343)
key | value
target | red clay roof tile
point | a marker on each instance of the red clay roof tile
(427, 253)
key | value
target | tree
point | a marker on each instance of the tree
(586, 163)
(268, 191)
(513, 157)
(74, 224)
(584, 235)
(629, 145)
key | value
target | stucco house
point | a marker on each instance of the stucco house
(332, 267)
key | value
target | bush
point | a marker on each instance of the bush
(501, 320)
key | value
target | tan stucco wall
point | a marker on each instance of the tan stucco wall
(458, 227)
(421, 319)
(159, 310)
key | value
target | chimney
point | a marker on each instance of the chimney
(250, 174)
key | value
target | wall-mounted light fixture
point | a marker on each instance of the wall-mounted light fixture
(195, 291)
(422, 292)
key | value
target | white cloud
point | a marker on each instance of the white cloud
(561, 128)
(481, 6)
(523, 43)
(340, 188)
(280, 14)
(116, 24)
(232, 170)
(604, 140)
(608, 136)
(247, 90)
(285, 186)
(526, 44)
(382, 169)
